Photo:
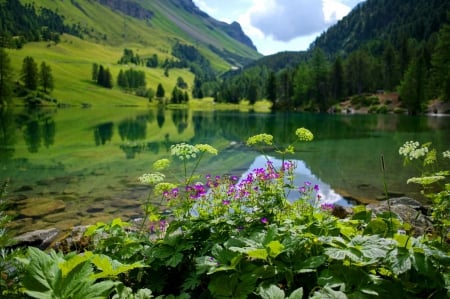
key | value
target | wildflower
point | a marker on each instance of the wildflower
(316, 188)
(165, 189)
(226, 202)
(196, 191)
(260, 138)
(264, 220)
(184, 151)
(411, 150)
(151, 178)
(206, 148)
(304, 134)
(327, 207)
(446, 154)
(161, 164)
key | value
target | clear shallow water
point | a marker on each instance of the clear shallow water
(88, 160)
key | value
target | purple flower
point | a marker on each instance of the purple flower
(264, 220)
(225, 202)
(327, 206)
(316, 187)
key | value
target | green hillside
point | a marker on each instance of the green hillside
(99, 31)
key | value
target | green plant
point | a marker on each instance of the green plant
(425, 160)
(54, 275)
(242, 238)
(10, 270)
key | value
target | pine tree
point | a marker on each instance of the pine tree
(46, 77)
(272, 88)
(441, 63)
(337, 79)
(5, 77)
(95, 71)
(160, 92)
(30, 73)
(413, 87)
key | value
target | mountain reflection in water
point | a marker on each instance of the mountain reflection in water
(302, 174)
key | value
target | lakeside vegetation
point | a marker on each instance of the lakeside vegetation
(221, 237)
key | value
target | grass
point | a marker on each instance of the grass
(103, 43)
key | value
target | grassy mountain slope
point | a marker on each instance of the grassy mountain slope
(106, 31)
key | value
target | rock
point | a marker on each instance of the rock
(24, 188)
(38, 207)
(39, 238)
(125, 203)
(408, 210)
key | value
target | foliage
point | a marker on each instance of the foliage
(229, 237)
(72, 276)
(5, 77)
(432, 179)
(29, 73)
(10, 269)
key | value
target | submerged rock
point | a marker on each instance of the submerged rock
(38, 207)
(39, 238)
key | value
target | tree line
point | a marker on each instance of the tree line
(21, 23)
(33, 77)
(418, 70)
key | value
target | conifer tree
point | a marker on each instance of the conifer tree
(30, 73)
(5, 77)
(160, 92)
(46, 77)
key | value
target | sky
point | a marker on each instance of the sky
(279, 25)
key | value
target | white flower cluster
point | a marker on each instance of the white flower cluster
(152, 178)
(446, 154)
(184, 151)
(412, 150)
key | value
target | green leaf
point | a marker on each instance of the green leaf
(311, 263)
(258, 254)
(111, 268)
(271, 292)
(175, 260)
(297, 294)
(400, 260)
(376, 227)
(275, 248)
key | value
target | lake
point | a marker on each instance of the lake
(78, 166)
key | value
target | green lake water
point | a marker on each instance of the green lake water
(78, 166)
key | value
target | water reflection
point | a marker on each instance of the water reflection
(103, 133)
(302, 174)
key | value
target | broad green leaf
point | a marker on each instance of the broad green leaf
(259, 254)
(275, 248)
(311, 263)
(400, 260)
(271, 292)
(111, 268)
(403, 240)
(76, 280)
(119, 222)
(376, 227)
(68, 265)
(175, 260)
(297, 294)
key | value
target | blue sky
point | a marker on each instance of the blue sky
(279, 25)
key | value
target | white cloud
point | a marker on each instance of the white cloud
(205, 7)
(285, 20)
(277, 25)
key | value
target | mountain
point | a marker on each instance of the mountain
(397, 47)
(383, 21)
(173, 38)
